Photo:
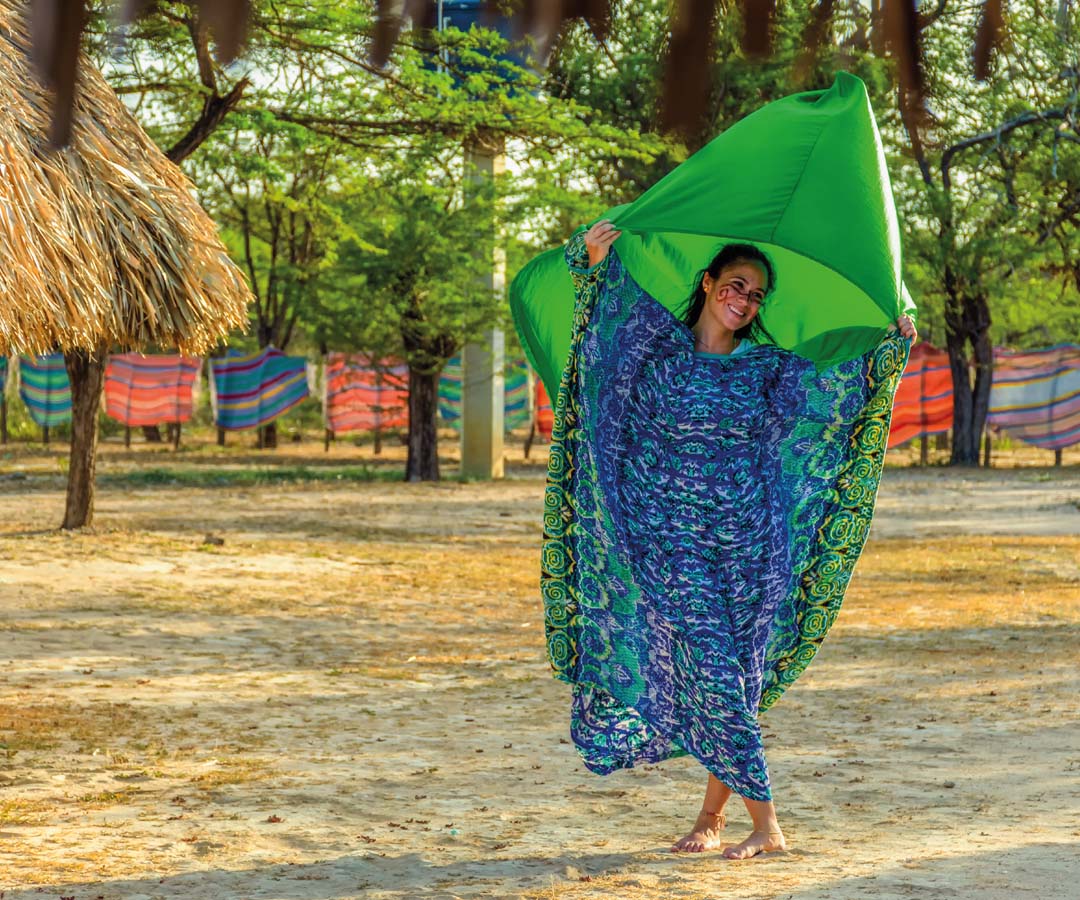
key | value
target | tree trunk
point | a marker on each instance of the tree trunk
(426, 355)
(86, 372)
(967, 321)
(530, 437)
(984, 375)
(268, 436)
(214, 111)
(423, 458)
(965, 442)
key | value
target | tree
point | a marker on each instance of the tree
(983, 198)
(897, 29)
(277, 189)
(421, 296)
(277, 171)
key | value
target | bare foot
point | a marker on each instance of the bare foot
(705, 835)
(758, 842)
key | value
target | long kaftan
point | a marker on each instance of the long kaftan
(702, 518)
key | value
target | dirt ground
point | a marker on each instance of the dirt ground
(329, 689)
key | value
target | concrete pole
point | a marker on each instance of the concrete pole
(483, 383)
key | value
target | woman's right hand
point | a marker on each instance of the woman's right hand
(598, 239)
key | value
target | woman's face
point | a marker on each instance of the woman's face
(734, 297)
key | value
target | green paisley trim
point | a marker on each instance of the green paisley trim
(561, 603)
(842, 535)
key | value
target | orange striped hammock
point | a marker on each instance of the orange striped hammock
(364, 394)
(150, 390)
(924, 400)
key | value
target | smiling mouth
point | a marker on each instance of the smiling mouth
(736, 312)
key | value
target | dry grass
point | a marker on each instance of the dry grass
(994, 581)
(18, 811)
(29, 727)
(103, 799)
(102, 242)
(231, 771)
(303, 685)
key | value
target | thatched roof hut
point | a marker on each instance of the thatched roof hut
(101, 243)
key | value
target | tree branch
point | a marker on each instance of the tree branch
(994, 134)
(213, 114)
(1067, 213)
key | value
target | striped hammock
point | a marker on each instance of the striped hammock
(251, 389)
(924, 400)
(44, 388)
(150, 390)
(364, 394)
(545, 416)
(1036, 395)
(515, 403)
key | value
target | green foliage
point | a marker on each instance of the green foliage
(996, 227)
(342, 192)
(341, 189)
(203, 476)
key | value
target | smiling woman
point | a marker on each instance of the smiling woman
(711, 486)
(708, 498)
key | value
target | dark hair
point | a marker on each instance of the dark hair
(729, 255)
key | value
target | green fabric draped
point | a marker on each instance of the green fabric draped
(804, 179)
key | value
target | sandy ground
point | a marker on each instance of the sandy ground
(348, 697)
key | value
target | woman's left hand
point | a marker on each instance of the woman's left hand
(907, 327)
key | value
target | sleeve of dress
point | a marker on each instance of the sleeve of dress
(577, 261)
(823, 452)
(623, 351)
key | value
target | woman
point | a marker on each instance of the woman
(708, 495)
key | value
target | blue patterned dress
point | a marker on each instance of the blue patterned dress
(703, 515)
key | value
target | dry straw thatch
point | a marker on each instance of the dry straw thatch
(101, 243)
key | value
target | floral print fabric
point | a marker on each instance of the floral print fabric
(702, 518)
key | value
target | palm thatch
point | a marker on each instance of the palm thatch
(101, 242)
